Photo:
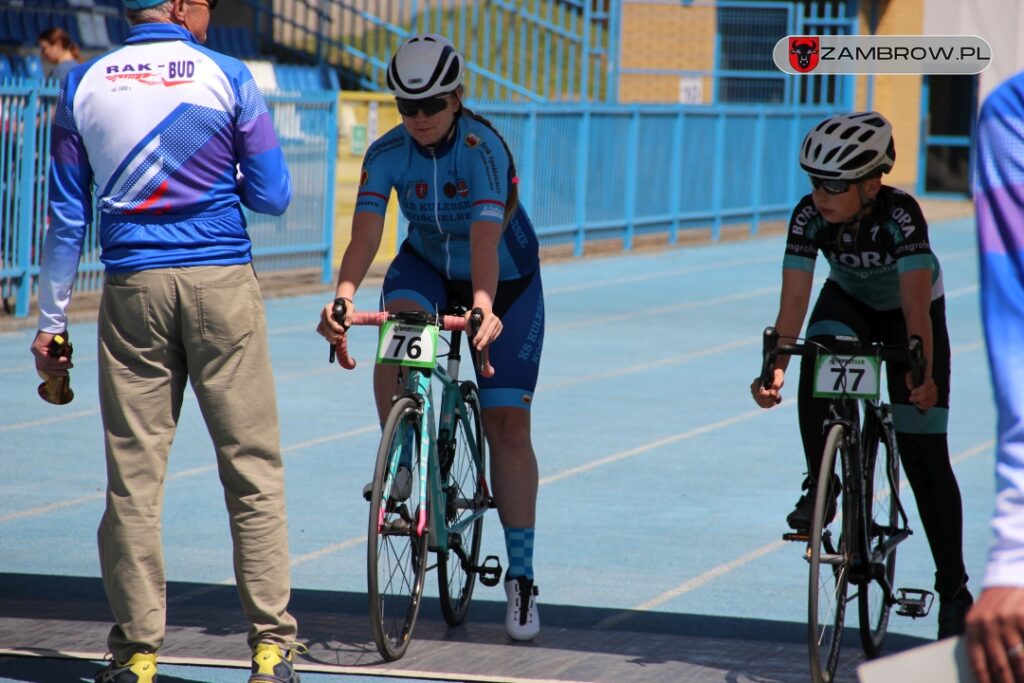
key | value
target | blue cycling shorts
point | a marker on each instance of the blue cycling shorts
(519, 303)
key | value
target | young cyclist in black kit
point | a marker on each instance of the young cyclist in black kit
(884, 284)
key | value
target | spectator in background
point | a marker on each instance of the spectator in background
(995, 626)
(56, 47)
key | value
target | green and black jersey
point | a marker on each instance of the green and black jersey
(866, 260)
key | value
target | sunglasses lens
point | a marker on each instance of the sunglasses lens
(406, 107)
(830, 186)
(430, 106)
(433, 105)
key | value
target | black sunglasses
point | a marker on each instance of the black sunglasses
(831, 186)
(429, 106)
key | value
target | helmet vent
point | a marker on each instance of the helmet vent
(860, 161)
(845, 135)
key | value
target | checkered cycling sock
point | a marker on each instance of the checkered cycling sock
(519, 545)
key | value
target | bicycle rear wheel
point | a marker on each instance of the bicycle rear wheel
(463, 470)
(882, 467)
(396, 560)
(829, 564)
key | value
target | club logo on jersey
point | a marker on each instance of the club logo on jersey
(421, 190)
(462, 188)
(803, 53)
(472, 140)
(364, 177)
(168, 75)
(449, 190)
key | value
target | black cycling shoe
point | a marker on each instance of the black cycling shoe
(800, 518)
(952, 613)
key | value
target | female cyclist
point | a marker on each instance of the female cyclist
(884, 284)
(469, 241)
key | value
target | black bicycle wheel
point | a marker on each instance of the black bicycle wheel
(829, 565)
(463, 471)
(882, 468)
(396, 559)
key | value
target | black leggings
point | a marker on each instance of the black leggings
(924, 450)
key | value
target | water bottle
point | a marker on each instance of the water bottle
(56, 389)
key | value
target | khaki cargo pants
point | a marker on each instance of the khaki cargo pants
(159, 329)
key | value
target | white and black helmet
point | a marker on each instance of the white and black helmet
(425, 65)
(849, 147)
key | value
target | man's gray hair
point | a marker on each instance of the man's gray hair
(158, 14)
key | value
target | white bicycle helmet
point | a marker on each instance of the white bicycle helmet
(425, 65)
(849, 147)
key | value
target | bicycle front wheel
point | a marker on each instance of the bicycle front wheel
(829, 568)
(463, 470)
(882, 467)
(396, 560)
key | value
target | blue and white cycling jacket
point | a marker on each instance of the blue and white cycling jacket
(999, 205)
(443, 190)
(173, 137)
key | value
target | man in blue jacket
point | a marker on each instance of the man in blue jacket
(995, 627)
(176, 139)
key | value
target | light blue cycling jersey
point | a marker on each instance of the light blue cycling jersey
(445, 189)
(999, 205)
(173, 137)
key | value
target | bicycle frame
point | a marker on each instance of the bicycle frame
(864, 560)
(418, 385)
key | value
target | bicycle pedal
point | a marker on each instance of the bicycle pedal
(914, 602)
(490, 574)
(798, 536)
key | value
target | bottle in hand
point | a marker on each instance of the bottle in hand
(56, 389)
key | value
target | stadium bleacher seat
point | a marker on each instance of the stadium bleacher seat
(6, 72)
(31, 66)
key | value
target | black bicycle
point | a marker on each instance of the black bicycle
(857, 547)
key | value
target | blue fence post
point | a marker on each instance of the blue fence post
(582, 176)
(632, 162)
(718, 175)
(676, 175)
(332, 163)
(528, 165)
(26, 180)
(759, 172)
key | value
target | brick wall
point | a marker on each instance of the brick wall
(664, 36)
(897, 97)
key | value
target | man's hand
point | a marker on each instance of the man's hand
(46, 364)
(995, 636)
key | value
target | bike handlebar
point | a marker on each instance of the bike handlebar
(911, 354)
(450, 323)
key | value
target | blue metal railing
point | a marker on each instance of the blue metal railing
(591, 172)
(307, 127)
(518, 50)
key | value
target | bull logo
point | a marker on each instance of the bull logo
(803, 53)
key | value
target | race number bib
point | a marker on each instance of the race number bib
(405, 344)
(850, 376)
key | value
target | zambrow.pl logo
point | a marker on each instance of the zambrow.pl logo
(882, 54)
(803, 53)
